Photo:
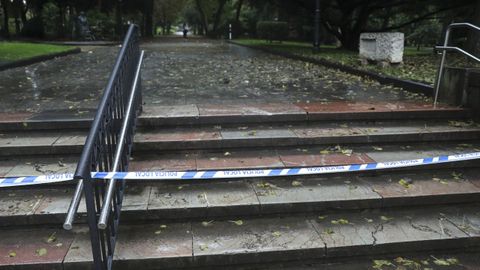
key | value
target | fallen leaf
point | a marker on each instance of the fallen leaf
(385, 218)
(277, 234)
(203, 247)
(237, 222)
(12, 254)
(376, 148)
(406, 183)
(379, 264)
(296, 183)
(41, 252)
(52, 238)
(328, 231)
(207, 223)
(340, 221)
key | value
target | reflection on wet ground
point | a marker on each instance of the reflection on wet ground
(186, 72)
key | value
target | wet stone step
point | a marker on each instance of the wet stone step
(280, 157)
(451, 260)
(201, 114)
(253, 240)
(199, 200)
(60, 142)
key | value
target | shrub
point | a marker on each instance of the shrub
(33, 28)
(272, 30)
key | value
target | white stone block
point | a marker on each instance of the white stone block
(382, 46)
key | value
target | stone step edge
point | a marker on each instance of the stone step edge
(263, 240)
(254, 198)
(206, 144)
(163, 120)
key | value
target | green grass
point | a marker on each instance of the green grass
(419, 65)
(13, 51)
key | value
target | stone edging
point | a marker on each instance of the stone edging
(36, 59)
(411, 86)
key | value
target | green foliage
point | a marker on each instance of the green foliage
(33, 28)
(272, 30)
(50, 18)
(12, 51)
(101, 24)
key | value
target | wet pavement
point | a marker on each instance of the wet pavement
(193, 72)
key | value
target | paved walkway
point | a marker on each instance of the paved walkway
(193, 72)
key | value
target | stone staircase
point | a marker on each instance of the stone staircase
(423, 215)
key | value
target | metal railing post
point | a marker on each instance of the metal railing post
(446, 48)
(440, 69)
(102, 223)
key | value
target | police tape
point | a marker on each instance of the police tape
(232, 174)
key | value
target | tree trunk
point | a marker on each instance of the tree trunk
(238, 12)
(61, 21)
(6, 31)
(118, 20)
(204, 19)
(218, 15)
(148, 13)
(474, 36)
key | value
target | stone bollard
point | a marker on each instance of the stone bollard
(382, 48)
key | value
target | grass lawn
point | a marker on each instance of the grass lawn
(13, 51)
(419, 65)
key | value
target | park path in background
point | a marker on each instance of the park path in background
(179, 72)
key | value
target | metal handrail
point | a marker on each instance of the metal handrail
(446, 48)
(108, 148)
(83, 166)
(107, 201)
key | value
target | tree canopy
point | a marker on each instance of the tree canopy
(342, 21)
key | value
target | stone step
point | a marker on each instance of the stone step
(163, 245)
(182, 115)
(200, 200)
(263, 158)
(174, 139)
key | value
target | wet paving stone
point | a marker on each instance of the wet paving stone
(314, 194)
(165, 162)
(434, 187)
(239, 160)
(203, 200)
(313, 156)
(183, 73)
(33, 166)
(29, 248)
(18, 204)
(243, 241)
(388, 231)
(6, 165)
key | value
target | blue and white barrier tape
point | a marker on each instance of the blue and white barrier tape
(230, 174)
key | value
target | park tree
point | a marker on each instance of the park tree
(167, 12)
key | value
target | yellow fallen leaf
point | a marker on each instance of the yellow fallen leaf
(277, 234)
(296, 183)
(405, 183)
(203, 247)
(237, 222)
(163, 226)
(385, 218)
(41, 252)
(207, 223)
(12, 254)
(52, 238)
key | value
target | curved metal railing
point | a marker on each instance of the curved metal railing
(446, 48)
